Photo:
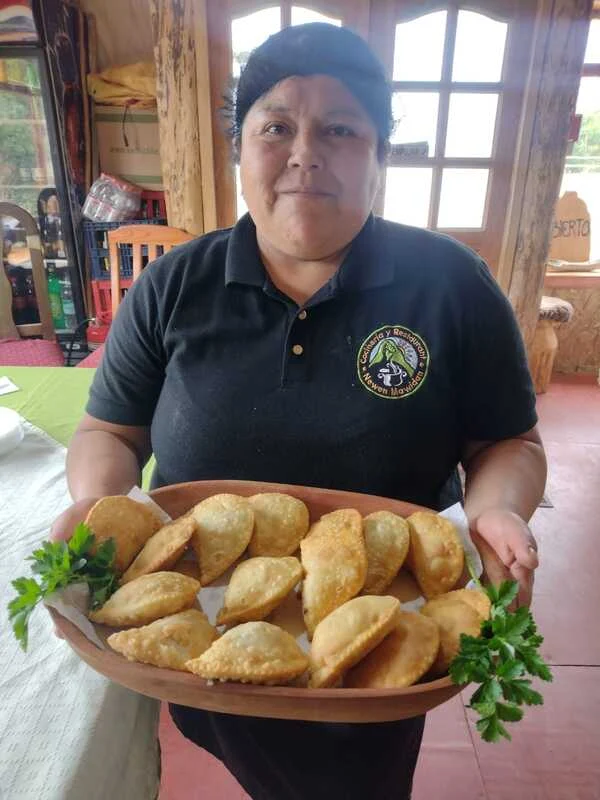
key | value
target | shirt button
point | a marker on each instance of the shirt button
(297, 349)
(302, 314)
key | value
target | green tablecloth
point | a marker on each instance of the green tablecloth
(53, 398)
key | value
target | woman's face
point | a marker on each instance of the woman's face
(309, 167)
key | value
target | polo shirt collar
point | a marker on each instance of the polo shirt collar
(367, 265)
(243, 263)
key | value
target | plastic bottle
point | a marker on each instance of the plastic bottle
(56, 306)
(68, 305)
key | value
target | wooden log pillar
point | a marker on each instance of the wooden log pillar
(175, 28)
(566, 30)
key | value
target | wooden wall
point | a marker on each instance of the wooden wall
(124, 31)
(579, 340)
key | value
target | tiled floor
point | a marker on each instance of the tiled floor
(555, 751)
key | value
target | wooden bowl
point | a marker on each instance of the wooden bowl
(281, 702)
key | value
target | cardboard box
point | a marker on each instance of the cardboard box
(128, 144)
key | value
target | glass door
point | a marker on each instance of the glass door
(30, 178)
(458, 75)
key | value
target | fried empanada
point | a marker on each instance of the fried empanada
(169, 642)
(254, 652)
(335, 561)
(436, 555)
(129, 523)
(257, 586)
(348, 634)
(453, 617)
(224, 527)
(163, 549)
(147, 599)
(280, 522)
(401, 659)
(386, 540)
(472, 597)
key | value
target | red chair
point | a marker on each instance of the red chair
(16, 349)
(94, 358)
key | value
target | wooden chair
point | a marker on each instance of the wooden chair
(16, 346)
(136, 237)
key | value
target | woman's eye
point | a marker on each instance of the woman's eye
(340, 130)
(275, 129)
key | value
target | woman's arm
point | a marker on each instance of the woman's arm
(103, 459)
(106, 459)
(505, 482)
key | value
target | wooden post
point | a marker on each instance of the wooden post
(220, 62)
(177, 100)
(205, 131)
(558, 85)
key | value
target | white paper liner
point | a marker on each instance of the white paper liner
(72, 601)
(456, 514)
(141, 497)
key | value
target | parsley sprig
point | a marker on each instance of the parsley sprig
(500, 659)
(59, 564)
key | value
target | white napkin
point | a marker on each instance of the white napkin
(7, 386)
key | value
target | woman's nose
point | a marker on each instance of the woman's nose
(305, 152)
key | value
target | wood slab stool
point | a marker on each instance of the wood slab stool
(554, 311)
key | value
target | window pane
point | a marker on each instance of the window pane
(588, 98)
(582, 168)
(471, 125)
(479, 48)
(419, 48)
(241, 207)
(462, 200)
(407, 195)
(301, 15)
(592, 51)
(415, 117)
(250, 31)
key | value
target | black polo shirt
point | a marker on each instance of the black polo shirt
(374, 385)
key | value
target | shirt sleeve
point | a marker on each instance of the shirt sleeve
(497, 394)
(128, 382)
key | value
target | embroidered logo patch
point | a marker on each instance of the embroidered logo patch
(392, 362)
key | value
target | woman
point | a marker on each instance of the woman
(314, 344)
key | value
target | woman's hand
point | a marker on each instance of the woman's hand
(64, 525)
(508, 549)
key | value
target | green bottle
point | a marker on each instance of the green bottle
(56, 306)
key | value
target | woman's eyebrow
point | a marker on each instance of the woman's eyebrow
(275, 108)
(272, 108)
(345, 112)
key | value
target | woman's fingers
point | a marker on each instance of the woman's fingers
(63, 526)
(525, 578)
(514, 546)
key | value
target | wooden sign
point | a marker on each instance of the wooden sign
(571, 229)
